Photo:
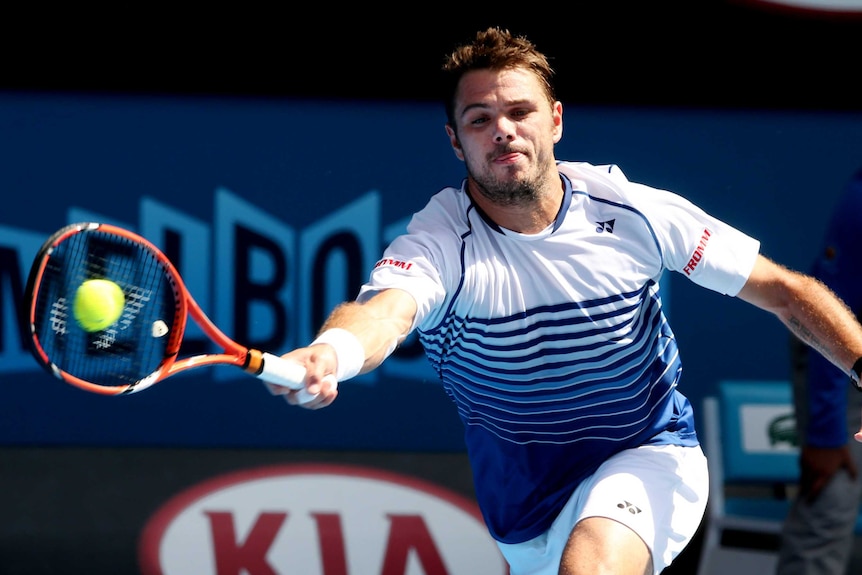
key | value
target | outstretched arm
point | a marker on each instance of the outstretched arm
(809, 309)
(355, 339)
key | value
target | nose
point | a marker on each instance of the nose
(504, 130)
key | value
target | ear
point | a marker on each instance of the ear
(558, 122)
(453, 140)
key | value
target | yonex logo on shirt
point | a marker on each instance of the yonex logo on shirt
(607, 226)
(698, 253)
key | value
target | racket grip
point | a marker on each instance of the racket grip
(282, 371)
(288, 373)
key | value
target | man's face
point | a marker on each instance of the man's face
(506, 131)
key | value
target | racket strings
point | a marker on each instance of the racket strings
(139, 342)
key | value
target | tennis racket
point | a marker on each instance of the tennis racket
(143, 346)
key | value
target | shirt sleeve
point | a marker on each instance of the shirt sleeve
(705, 249)
(424, 259)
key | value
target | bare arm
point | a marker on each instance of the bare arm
(808, 308)
(379, 325)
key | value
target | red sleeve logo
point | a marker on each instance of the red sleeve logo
(393, 263)
(697, 255)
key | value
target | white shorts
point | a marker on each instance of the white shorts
(658, 491)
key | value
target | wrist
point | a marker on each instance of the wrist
(349, 353)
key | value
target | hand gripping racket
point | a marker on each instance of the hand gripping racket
(142, 347)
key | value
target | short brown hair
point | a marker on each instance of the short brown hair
(494, 49)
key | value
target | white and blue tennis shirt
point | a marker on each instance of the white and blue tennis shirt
(554, 346)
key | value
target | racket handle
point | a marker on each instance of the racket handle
(282, 371)
(288, 373)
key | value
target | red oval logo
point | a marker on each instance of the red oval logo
(318, 519)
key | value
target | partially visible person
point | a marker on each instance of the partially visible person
(533, 284)
(817, 538)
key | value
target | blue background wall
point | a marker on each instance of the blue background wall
(306, 173)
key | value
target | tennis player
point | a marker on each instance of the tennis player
(533, 287)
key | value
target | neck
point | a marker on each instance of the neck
(527, 217)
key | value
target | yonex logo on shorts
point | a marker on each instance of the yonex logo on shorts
(633, 509)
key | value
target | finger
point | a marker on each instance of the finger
(275, 389)
(317, 395)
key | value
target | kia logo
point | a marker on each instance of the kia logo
(318, 520)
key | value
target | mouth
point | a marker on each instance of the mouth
(507, 157)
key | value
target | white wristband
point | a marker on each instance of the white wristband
(348, 351)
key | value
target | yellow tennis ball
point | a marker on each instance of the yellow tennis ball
(98, 304)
